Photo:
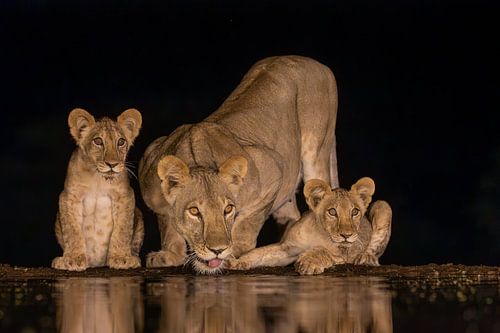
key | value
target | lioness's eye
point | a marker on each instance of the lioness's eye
(97, 141)
(229, 209)
(194, 211)
(355, 212)
(121, 142)
(332, 212)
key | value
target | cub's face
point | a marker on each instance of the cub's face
(105, 143)
(338, 211)
(203, 205)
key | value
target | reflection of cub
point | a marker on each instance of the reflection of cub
(99, 305)
(334, 231)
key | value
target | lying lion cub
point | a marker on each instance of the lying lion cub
(97, 223)
(334, 231)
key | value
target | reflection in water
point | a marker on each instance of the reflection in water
(252, 304)
(272, 304)
(99, 305)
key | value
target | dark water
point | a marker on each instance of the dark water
(248, 304)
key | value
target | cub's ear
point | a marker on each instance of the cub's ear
(174, 174)
(233, 172)
(314, 191)
(80, 122)
(365, 187)
(130, 121)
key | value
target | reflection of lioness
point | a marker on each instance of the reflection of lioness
(334, 231)
(213, 184)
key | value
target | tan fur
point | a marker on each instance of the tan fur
(249, 304)
(97, 223)
(107, 305)
(276, 128)
(319, 239)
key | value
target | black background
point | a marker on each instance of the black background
(418, 91)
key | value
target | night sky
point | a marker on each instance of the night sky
(418, 103)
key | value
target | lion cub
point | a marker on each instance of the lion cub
(97, 223)
(334, 231)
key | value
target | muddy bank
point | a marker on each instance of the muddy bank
(430, 272)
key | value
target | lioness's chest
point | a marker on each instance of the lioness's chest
(97, 226)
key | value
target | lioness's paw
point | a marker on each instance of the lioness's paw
(237, 264)
(366, 259)
(124, 262)
(308, 267)
(70, 263)
(164, 259)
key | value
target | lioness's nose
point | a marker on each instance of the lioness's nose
(217, 250)
(111, 165)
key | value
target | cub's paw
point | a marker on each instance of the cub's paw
(70, 263)
(237, 264)
(124, 262)
(164, 259)
(306, 266)
(366, 259)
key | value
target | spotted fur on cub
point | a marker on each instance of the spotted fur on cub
(340, 227)
(97, 223)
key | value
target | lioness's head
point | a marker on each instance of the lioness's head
(339, 211)
(105, 143)
(203, 203)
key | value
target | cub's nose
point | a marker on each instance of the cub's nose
(346, 235)
(111, 165)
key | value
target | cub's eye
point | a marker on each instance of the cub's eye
(97, 141)
(355, 212)
(332, 212)
(229, 209)
(121, 142)
(194, 211)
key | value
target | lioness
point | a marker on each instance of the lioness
(213, 184)
(334, 231)
(97, 223)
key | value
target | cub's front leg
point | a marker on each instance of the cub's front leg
(380, 216)
(316, 260)
(120, 245)
(69, 234)
(173, 246)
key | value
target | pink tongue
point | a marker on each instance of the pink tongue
(214, 263)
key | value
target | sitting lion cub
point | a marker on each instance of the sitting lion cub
(334, 231)
(97, 223)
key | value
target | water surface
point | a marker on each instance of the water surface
(257, 303)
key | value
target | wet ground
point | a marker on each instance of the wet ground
(430, 298)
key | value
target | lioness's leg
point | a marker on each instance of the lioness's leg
(244, 234)
(380, 216)
(270, 256)
(319, 159)
(288, 212)
(173, 246)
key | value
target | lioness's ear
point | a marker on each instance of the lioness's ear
(314, 191)
(80, 122)
(233, 172)
(174, 173)
(365, 187)
(130, 121)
